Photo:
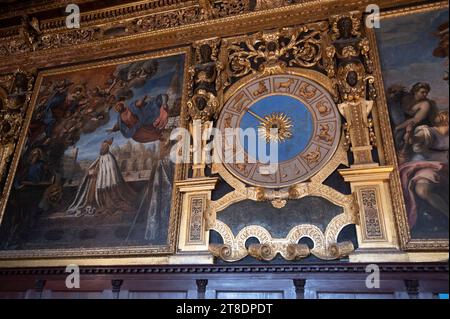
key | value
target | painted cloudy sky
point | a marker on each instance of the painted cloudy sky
(406, 47)
(169, 67)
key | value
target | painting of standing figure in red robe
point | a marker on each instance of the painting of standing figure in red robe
(416, 83)
(94, 170)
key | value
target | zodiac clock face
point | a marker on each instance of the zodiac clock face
(307, 126)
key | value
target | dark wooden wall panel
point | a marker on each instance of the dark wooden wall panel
(343, 281)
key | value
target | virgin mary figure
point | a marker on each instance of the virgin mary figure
(103, 189)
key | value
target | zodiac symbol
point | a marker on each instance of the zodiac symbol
(324, 133)
(313, 157)
(307, 91)
(323, 108)
(239, 101)
(242, 166)
(90, 210)
(262, 89)
(286, 173)
(228, 120)
(267, 171)
(285, 85)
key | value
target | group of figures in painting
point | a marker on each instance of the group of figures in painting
(95, 163)
(417, 96)
(421, 137)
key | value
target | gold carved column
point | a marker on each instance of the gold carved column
(376, 229)
(203, 106)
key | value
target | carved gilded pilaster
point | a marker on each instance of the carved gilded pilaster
(358, 130)
(369, 182)
(376, 229)
(352, 77)
(194, 234)
(205, 98)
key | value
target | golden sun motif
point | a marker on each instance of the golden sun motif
(276, 127)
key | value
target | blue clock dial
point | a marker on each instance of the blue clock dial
(308, 123)
(295, 111)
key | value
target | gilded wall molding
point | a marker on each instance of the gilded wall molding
(19, 7)
(143, 16)
(123, 39)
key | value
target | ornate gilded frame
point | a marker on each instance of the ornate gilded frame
(387, 152)
(98, 256)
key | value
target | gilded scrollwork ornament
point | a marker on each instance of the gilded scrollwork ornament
(30, 32)
(297, 251)
(325, 244)
(270, 52)
(262, 251)
(221, 251)
(15, 94)
(341, 250)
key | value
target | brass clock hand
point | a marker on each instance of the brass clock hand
(259, 118)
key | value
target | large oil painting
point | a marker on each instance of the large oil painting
(94, 170)
(414, 61)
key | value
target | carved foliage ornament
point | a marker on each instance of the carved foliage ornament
(15, 93)
(271, 52)
(33, 35)
(13, 100)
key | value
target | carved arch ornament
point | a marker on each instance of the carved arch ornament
(305, 51)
